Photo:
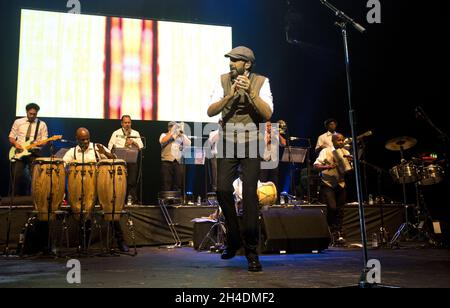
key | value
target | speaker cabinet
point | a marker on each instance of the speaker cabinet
(293, 230)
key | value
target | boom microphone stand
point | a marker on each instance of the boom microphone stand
(344, 21)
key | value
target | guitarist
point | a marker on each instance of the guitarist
(24, 130)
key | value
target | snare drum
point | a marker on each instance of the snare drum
(48, 174)
(82, 178)
(405, 173)
(112, 184)
(267, 194)
(431, 175)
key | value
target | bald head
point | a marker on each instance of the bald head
(83, 137)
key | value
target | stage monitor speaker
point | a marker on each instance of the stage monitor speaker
(294, 230)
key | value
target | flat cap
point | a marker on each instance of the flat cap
(241, 53)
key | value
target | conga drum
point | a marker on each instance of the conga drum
(82, 187)
(267, 194)
(112, 187)
(48, 176)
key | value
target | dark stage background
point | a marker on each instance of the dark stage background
(397, 65)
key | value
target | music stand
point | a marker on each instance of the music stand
(293, 155)
(130, 156)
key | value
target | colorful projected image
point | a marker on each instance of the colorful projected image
(96, 67)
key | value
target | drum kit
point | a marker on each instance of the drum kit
(423, 171)
(105, 181)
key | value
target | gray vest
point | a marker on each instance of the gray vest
(240, 110)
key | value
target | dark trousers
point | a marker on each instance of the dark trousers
(213, 173)
(21, 176)
(270, 175)
(171, 176)
(227, 173)
(133, 172)
(335, 199)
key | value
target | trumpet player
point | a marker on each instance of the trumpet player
(333, 163)
(172, 144)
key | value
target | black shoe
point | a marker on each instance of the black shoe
(123, 247)
(253, 264)
(228, 253)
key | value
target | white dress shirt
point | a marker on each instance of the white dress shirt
(213, 139)
(89, 155)
(325, 141)
(118, 139)
(176, 145)
(20, 128)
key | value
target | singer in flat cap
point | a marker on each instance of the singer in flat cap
(243, 99)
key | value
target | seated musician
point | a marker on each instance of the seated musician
(87, 152)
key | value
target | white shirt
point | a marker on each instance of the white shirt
(265, 93)
(89, 155)
(336, 176)
(237, 185)
(118, 139)
(213, 139)
(20, 128)
(325, 141)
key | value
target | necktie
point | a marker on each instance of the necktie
(28, 132)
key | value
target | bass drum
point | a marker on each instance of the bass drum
(48, 175)
(112, 187)
(82, 179)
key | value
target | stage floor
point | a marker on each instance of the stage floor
(186, 268)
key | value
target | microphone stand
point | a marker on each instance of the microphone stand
(11, 202)
(291, 164)
(344, 21)
(140, 174)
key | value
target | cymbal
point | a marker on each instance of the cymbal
(401, 143)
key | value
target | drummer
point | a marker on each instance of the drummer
(84, 152)
(87, 152)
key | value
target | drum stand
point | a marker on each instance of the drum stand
(162, 199)
(406, 227)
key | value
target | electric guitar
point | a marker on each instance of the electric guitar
(16, 154)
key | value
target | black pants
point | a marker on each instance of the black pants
(335, 199)
(270, 175)
(171, 176)
(213, 173)
(133, 172)
(227, 173)
(21, 176)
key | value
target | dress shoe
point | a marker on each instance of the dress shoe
(253, 264)
(122, 246)
(228, 253)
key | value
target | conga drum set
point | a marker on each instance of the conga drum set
(421, 172)
(87, 183)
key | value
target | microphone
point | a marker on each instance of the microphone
(297, 138)
(67, 141)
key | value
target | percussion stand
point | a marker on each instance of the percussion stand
(406, 227)
(219, 240)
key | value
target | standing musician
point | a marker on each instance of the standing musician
(325, 140)
(172, 144)
(126, 137)
(27, 130)
(334, 163)
(88, 152)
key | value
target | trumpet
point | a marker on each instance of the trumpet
(282, 127)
